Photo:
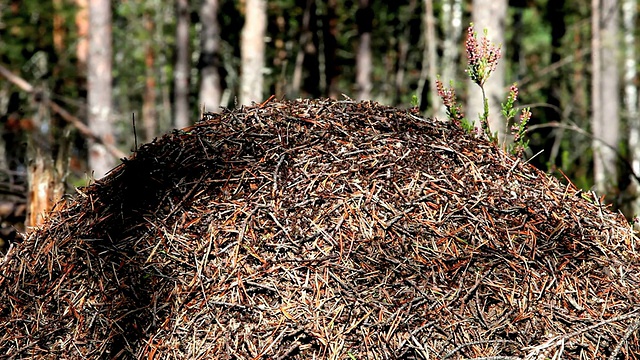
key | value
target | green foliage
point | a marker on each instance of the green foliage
(414, 101)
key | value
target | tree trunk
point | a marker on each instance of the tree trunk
(364, 58)
(149, 115)
(427, 90)
(629, 15)
(252, 49)
(452, 28)
(82, 25)
(305, 43)
(330, 34)
(605, 92)
(99, 64)
(490, 15)
(210, 82)
(181, 71)
(556, 16)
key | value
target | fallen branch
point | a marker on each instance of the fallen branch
(64, 114)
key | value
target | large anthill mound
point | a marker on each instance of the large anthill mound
(323, 230)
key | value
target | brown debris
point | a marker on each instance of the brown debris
(329, 230)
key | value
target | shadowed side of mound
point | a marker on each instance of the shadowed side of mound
(323, 229)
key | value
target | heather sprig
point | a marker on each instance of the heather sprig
(450, 101)
(508, 110)
(483, 56)
(483, 59)
(518, 130)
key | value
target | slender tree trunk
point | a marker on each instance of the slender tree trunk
(490, 15)
(427, 89)
(210, 82)
(304, 44)
(400, 88)
(149, 115)
(82, 24)
(556, 16)
(605, 92)
(183, 64)
(253, 52)
(452, 27)
(629, 16)
(99, 95)
(330, 47)
(364, 57)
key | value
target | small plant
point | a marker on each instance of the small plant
(483, 59)
(518, 129)
(414, 101)
(453, 109)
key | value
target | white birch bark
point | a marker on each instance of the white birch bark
(210, 87)
(252, 49)
(629, 16)
(452, 28)
(605, 92)
(181, 70)
(99, 89)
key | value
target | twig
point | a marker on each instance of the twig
(65, 115)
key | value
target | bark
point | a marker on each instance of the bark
(59, 27)
(400, 87)
(605, 92)
(305, 44)
(99, 88)
(452, 27)
(82, 25)
(427, 90)
(490, 15)
(629, 14)
(364, 57)
(252, 50)
(81, 21)
(149, 114)
(48, 152)
(330, 33)
(210, 82)
(181, 71)
(556, 16)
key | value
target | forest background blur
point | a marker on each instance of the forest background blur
(74, 73)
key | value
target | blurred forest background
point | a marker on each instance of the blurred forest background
(74, 73)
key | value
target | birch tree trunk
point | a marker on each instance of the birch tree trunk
(99, 88)
(605, 92)
(364, 58)
(629, 16)
(210, 82)
(452, 27)
(181, 70)
(490, 15)
(252, 50)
